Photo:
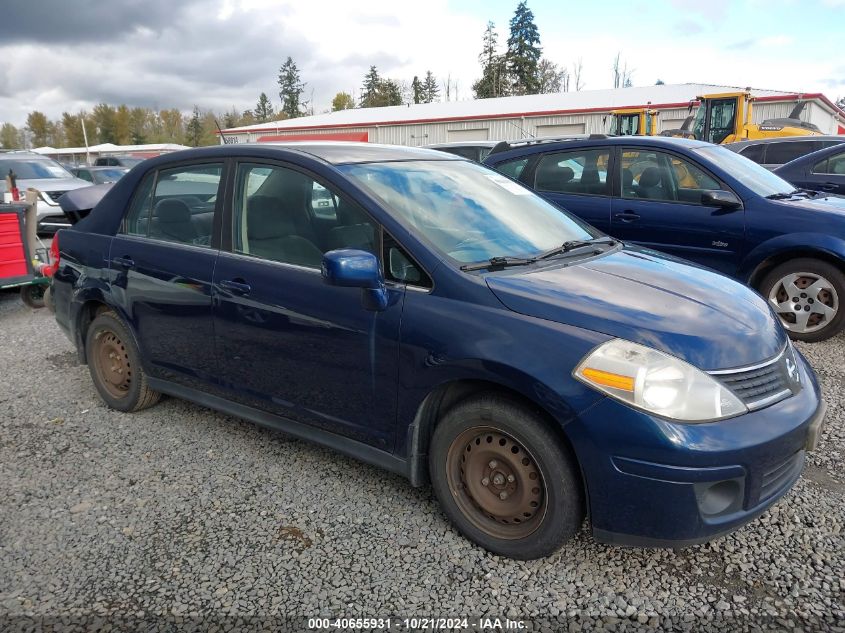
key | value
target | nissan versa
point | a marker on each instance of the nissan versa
(426, 314)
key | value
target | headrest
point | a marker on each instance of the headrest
(627, 177)
(172, 211)
(650, 177)
(590, 177)
(550, 177)
(266, 218)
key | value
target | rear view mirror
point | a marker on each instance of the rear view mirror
(720, 198)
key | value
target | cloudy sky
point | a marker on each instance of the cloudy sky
(61, 55)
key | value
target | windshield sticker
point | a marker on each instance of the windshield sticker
(510, 185)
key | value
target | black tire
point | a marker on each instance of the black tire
(827, 326)
(528, 448)
(115, 367)
(48, 300)
(33, 295)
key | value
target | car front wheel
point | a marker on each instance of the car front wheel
(807, 295)
(504, 479)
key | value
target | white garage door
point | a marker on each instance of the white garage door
(560, 130)
(670, 124)
(478, 134)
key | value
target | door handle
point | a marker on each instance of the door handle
(627, 216)
(236, 287)
(123, 262)
(827, 186)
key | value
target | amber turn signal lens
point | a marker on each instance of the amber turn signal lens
(608, 379)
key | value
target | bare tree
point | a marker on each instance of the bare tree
(621, 75)
(577, 70)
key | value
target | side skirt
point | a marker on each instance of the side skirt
(352, 448)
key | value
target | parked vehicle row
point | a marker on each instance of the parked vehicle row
(429, 315)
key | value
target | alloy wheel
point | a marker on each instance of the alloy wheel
(806, 302)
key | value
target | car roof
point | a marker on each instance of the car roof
(19, 153)
(332, 152)
(463, 144)
(787, 139)
(520, 148)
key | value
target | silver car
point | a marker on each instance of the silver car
(46, 175)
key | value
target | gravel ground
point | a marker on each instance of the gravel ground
(180, 514)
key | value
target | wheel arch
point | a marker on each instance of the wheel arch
(760, 266)
(447, 395)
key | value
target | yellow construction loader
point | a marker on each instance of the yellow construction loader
(726, 117)
(633, 122)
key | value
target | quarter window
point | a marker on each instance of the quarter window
(755, 153)
(285, 216)
(578, 172)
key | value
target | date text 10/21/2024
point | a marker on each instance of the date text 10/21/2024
(416, 624)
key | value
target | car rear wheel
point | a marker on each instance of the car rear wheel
(114, 364)
(807, 295)
(504, 479)
(32, 295)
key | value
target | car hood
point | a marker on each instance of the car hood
(705, 318)
(828, 204)
(52, 184)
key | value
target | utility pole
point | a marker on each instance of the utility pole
(85, 137)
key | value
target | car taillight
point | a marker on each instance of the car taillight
(48, 270)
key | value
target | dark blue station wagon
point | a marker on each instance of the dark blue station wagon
(426, 314)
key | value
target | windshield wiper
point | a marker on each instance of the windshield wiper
(791, 194)
(575, 244)
(499, 262)
(503, 262)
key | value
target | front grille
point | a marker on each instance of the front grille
(779, 476)
(55, 195)
(765, 384)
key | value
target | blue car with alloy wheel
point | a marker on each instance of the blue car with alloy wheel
(423, 313)
(706, 204)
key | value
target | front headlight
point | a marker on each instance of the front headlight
(657, 382)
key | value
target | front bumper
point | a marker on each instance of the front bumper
(656, 483)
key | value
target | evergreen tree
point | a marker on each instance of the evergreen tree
(417, 90)
(524, 50)
(430, 89)
(264, 109)
(493, 82)
(104, 124)
(231, 118)
(370, 89)
(140, 125)
(291, 89)
(193, 131)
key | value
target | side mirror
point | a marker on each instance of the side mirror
(720, 198)
(352, 268)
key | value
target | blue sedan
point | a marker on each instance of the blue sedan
(424, 313)
(706, 204)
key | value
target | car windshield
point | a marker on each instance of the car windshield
(31, 169)
(468, 211)
(758, 179)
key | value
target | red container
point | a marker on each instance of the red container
(14, 263)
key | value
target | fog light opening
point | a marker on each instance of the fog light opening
(719, 497)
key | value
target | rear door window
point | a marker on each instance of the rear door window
(178, 207)
(581, 171)
(833, 165)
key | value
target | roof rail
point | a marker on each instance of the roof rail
(503, 146)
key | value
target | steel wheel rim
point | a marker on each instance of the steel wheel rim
(111, 361)
(483, 464)
(805, 302)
